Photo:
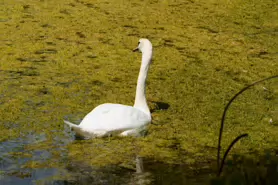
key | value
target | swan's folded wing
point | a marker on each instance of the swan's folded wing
(111, 117)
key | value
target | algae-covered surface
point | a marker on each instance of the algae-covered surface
(60, 59)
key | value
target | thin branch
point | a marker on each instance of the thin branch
(228, 150)
(223, 120)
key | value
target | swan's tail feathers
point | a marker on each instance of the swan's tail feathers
(70, 124)
(79, 132)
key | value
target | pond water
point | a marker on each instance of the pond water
(60, 59)
(75, 172)
(13, 157)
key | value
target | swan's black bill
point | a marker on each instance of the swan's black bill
(136, 49)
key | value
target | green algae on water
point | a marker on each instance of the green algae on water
(61, 59)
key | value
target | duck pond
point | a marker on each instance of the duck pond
(60, 59)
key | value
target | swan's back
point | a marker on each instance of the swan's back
(114, 117)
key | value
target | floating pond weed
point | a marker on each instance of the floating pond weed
(62, 58)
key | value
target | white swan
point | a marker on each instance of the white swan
(107, 119)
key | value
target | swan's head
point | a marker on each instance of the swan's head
(144, 45)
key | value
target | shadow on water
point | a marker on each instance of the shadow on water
(159, 106)
(239, 170)
(147, 172)
(13, 169)
(249, 171)
(13, 158)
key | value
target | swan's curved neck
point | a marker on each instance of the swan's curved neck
(140, 98)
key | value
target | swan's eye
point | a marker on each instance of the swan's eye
(138, 43)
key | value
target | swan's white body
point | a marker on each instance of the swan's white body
(108, 118)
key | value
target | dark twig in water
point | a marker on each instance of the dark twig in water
(228, 150)
(220, 165)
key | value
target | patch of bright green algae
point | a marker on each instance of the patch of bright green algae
(63, 58)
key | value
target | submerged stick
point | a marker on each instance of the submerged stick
(220, 165)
